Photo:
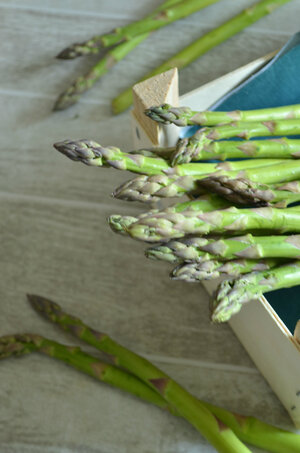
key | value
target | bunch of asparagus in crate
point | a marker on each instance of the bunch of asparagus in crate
(241, 218)
(131, 373)
(122, 40)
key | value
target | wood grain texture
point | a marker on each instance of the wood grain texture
(54, 239)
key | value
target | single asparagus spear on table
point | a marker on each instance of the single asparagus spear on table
(83, 83)
(191, 148)
(165, 226)
(209, 270)
(204, 44)
(153, 187)
(184, 116)
(76, 358)
(92, 153)
(242, 191)
(231, 295)
(215, 431)
(248, 429)
(200, 249)
(166, 13)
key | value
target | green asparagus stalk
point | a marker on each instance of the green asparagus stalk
(165, 14)
(83, 83)
(279, 148)
(120, 224)
(76, 358)
(248, 429)
(204, 44)
(215, 431)
(209, 270)
(154, 21)
(152, 188)
(241, 191)
(191, 148)
(165, 226)
(185, 116)
(231, 295)
(165, 153)
(200, 249)
(92, 153)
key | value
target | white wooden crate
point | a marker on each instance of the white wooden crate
(273, 348)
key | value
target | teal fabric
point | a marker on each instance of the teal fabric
(276, 84)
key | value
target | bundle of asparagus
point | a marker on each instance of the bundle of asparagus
(123, 40)
(130, 372)
(241, 220)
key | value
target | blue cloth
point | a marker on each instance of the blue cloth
(276, 84)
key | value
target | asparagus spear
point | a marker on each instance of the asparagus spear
(199, 249)
(120, 224)
(248, 429)
(177, 251)
(185, 116)
(216, 432)
(279, 148)
(83, 83)
(153, 188)
(76, 358)
(243, 191)
(92, 153)
(231, 295)
(191, 148)
(165, 153)
(164, 226)
(208, 270)
(165, 14)
(204, 44)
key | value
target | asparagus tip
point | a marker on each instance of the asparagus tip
(42, 304)
(83, 150)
